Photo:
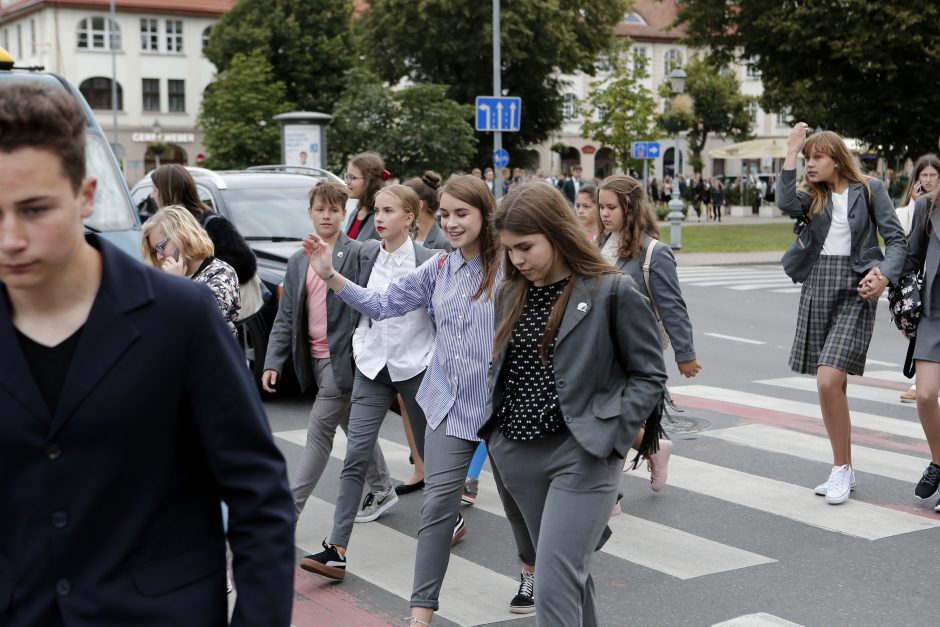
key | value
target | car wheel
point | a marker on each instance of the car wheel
(253, 339)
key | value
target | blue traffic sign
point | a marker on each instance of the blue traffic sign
(645, 150)
(500, 158)
(498, 114)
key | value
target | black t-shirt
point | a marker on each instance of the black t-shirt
(49, 365)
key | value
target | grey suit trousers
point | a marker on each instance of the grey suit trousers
(330, 409)
(565, 496)
(371, 399)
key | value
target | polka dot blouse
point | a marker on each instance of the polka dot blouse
(530, 408)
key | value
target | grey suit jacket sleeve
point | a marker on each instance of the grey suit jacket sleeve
(665, 292)
(891, 230)
(789, 200)
(919, 241)
(279, 340)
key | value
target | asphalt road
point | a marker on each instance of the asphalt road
(736, 533)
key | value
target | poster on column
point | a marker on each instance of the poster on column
(302, 145)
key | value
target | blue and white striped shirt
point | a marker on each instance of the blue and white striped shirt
(454, 385)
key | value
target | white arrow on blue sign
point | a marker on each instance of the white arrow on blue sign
(645, 150)
(498, 114)
(500, 158)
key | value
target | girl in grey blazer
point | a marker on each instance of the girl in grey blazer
(925, 255)
(577, 369)
(627, 232)
(429, 233)
(843, 271)
(365, 176)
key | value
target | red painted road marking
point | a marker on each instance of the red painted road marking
(880, 383)
(322, 603)
(786, 420)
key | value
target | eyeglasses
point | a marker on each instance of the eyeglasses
(349, 178)
(160, 247)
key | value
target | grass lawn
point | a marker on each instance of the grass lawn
(733, 238)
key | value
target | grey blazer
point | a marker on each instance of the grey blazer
(925, 253)
(608, 362)
(289, 333)
(366, 229)
(369, 252)
(866, 253)
(436, 239)
(664, 281)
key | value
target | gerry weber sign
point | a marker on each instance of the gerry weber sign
(169, 138)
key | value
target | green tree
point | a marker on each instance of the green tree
(620, 109)
(863, 69)
(717, 107)
(237, 111)
(415, 128)
(308, 43)
(450, 42)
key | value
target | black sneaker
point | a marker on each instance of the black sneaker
(524, 601)
(929, 483)
(328, 563)
(460, 530)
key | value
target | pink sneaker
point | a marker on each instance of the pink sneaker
(658, 464)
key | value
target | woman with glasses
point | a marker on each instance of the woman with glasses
(365, 176)
(173, 241)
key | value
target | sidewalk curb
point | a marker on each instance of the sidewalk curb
(764, 257)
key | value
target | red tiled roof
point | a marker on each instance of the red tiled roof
(192, 7)
(659, 16)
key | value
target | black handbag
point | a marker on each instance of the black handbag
(905, 302)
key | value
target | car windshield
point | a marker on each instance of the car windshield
(262, 213)
(112, 212)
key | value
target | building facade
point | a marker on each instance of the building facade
(649, 26)
(160, 67)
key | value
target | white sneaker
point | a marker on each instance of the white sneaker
(823, 487)
(840, 485)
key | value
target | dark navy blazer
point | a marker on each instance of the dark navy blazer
(109, 509)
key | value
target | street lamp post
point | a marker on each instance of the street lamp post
(157, 129)
(675, 216)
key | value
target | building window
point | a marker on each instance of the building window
(205, 38)
(751, 70)
(782, 118)
(569, 107)
(92, 34)
(176, 91)
(151, 91)
(97, 91)
(752, 111)
(149, 35)
(6, 38)
(634, 18)
(32, 36)
(671, 60)
(639, 59)
(174, 35)
(19, 40)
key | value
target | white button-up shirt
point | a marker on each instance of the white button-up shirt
(403, 344)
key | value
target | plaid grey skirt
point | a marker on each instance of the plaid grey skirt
(834, 324)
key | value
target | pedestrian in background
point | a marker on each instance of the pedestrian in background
(628, 238)
(365, 177)
(173, 241)
(314, 330)
(128, 415)
(843, 272)
(174, 185)
(572, 186)
(716, 193)
(585, 207)
(925, 256)
(576, 369)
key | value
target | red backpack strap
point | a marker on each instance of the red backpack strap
(440, 262)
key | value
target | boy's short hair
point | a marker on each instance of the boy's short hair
(333, 194)
(39, 116)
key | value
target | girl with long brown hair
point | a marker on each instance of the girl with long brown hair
(365, 177)
(577, 369)
(629, 240)
(457, 289)
(843, 271)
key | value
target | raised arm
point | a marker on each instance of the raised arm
(790, 201)
(406, 294)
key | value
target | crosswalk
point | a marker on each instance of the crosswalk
(769, 278)
(781, 418)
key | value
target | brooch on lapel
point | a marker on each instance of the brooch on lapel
(582, 307)
(339, 254)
